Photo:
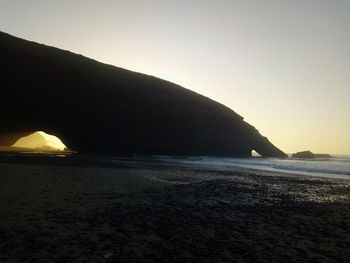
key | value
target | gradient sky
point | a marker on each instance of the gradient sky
(283, 65)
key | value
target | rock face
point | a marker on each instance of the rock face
(99, 108)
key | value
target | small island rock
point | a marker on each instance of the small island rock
(310, 155)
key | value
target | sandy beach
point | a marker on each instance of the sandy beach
(137, 211)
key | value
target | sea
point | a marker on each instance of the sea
(337, 167)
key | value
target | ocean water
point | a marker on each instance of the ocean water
(336, 167)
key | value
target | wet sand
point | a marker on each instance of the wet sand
(151, 211)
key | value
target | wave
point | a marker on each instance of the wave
(338, 167)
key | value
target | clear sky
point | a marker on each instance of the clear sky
(283, 65)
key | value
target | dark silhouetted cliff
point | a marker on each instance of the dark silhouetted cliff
(97, 108)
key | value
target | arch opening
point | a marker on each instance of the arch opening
(40, 141)
(256, 154)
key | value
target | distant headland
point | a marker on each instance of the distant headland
(310, 155)
(98, 108)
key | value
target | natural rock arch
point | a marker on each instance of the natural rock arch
(98, 108)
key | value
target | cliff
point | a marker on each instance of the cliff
(97, 108)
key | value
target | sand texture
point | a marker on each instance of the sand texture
(152, 212)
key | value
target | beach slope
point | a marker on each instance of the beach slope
(134, 211)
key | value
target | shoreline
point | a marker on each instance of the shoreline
(147, 211)
(74, 159)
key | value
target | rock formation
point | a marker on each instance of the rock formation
(97, 108)
(310, 155)
(303, 154)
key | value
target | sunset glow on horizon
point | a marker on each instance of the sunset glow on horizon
(282, 65)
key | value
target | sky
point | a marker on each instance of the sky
(284, 65)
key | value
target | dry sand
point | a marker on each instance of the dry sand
(147, 212)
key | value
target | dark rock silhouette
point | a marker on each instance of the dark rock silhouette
(322, 155)
(310, 155)
(97, 108)
(303, 154)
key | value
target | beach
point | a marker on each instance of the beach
(145, 211)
